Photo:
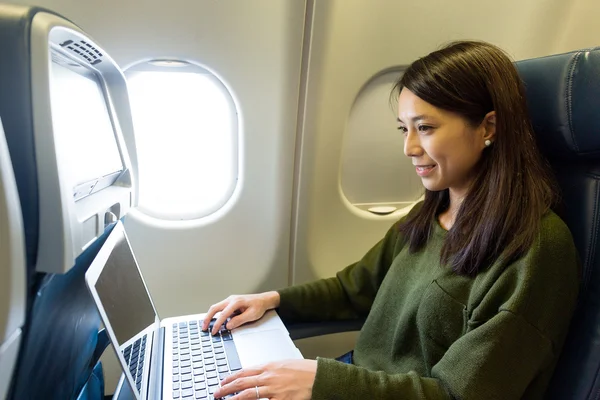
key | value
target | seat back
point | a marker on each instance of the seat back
(12, 269)
(65, 222)
(563, 94)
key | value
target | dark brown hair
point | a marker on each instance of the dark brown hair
(499, 218)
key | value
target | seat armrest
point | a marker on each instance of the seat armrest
(312, 329)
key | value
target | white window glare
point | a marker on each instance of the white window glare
(186, 138)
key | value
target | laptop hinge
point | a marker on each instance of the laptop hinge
(155, 388)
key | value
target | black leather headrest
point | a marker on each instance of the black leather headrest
(563, 93)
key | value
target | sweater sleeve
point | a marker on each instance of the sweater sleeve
(498, 360)
(348, 295)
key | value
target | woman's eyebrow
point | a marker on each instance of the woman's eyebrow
(415, 118)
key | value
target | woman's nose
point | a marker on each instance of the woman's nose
(412, 145)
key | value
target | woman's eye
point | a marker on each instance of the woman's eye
(402, 129)
(424, 128)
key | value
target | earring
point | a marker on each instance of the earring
(487, 143)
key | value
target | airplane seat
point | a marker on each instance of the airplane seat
(50, 69)
(60, 355)
(12, 269)
(563, 94)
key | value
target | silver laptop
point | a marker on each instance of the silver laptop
(172, 358)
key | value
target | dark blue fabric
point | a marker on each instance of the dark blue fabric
(346, 358)
(94, 387)
(63, 345)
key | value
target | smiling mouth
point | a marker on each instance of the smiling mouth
(424, 170)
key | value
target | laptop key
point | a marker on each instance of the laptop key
(186, 377)
(199, 378)
(176, 385)
(232, 356)
(211, 375)
(212, 382)
(186, 385)
(201, 394)
(175, 378)
(221, 362)
(175, 394)
(187, 393)
(223, 368)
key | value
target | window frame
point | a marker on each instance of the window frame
(186, 66)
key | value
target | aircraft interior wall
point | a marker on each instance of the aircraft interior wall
(298, 72)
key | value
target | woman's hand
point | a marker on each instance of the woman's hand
(248, 308)
(281, 380)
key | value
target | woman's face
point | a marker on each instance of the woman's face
(444, 146)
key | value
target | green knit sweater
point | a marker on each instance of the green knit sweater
(433, 334)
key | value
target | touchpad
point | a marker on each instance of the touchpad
(266, 346)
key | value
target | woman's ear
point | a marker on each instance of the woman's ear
(489, 124)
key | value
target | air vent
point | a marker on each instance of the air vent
(85, 50)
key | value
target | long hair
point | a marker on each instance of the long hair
(513, 187)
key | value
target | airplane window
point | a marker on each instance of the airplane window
(186, 133)
(375, 174)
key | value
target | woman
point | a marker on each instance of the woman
(470, 295)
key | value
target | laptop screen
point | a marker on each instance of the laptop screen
(123, 294)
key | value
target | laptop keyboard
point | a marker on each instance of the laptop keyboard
(200, 360)
(134, 357)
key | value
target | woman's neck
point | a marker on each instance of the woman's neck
(447, 217)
